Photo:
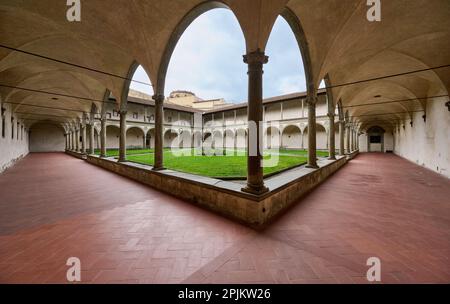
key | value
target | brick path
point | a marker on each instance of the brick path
(53, 207)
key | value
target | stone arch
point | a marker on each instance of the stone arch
(176, 35)
(291, 138)
(112, 137)
(296, 27)
(185, 139)
(170, 138)
(197, 139)
(217, 140)
(272, 138)
(150, 139)
(241, 138)
(229, 138)
(135, 138)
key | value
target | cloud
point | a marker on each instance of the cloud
(208, 60)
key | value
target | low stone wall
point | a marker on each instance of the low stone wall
(76, 154)
(226, 197)
(352, 155)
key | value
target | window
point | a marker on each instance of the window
(375, 139)
(135, 115)
(108, 115)
(115, 113)
(152, 117)
(169, 119)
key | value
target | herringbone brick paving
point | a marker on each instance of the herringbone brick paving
(53, 207)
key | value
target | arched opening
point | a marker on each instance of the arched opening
(135, 138)
(140, 85)
(150, 139)
(208, 41)
(241, 139)
(217, 140)
(197, 139)
(285, 72)
(321, 137)
(171, 139)
(273, 138)
(47, 137)
(112, 137)
(185, 139)
(375, 139)
(291, 137)
(229, 139)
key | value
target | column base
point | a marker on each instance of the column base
(122, 160)
(158, 168)
(256, 190)
(312, 166)
(332, 158)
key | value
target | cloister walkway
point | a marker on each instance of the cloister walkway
(53, 207)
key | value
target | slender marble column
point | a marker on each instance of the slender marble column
(159, 119)
(77, 140)
(255, 177)
(103, 138)
(91, 138)
(312, 156)
(332, 140)
(342, 138)
(83, 138)
(123, 136)
(348, 138)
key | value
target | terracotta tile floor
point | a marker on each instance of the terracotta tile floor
(53, 207)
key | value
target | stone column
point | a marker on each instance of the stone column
(347, 127)
(71, 146)
(158, 163)
(103, 137)
(312, 157)
(83, 139)
(342, 138)
(145, 141)
(91, 138)
(332, 140)
(77, 140)
(255, 177)
(123, 136)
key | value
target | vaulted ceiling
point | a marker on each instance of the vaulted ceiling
(338, 41)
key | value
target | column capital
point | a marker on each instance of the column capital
(256, 57)
(311, 100)
(331, 115)
(158, 98)
(123, 112)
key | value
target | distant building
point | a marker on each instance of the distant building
(189, 99)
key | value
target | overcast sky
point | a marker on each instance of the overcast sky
(208, 60)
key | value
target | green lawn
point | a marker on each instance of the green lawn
(115, 152)
(233, 164)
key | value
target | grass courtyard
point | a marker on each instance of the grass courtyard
(231, 165)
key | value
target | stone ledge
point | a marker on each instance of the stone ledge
(352, 155)
(226, 197)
